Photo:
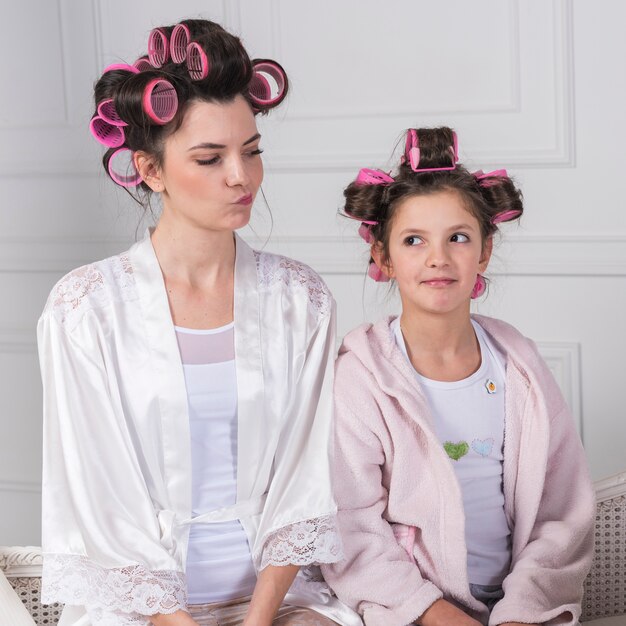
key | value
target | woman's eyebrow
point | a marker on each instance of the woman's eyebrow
(219, 146)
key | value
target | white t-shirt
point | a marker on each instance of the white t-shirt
(219, 563)
(469, 421)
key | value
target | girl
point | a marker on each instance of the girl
(462, 487)
(187, 381)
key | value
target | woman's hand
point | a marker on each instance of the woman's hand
(517, 624)
(180, 618)
(269, 592)
(442, 613)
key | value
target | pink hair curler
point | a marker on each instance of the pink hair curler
(365, 233)
(121, 66)
(143, 64)
(505, 216)
(122, 168)
(107, 134)
(267, 86)
(106, 110)
(158, 47)
(179, 42)
(160, 101)
(197, 62)
(375, 273)
(367, 176)
(479, 287)
(486, 179)
(412, 153)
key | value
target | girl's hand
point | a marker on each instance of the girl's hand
(180, 618)
(442, 613)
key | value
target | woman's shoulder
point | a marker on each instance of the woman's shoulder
(294, 279)
(89, 287)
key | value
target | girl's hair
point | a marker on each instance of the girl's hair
(429, 165)
(231, 73)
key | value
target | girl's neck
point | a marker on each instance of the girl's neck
(441, 347)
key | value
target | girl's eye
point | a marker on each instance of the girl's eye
(212, 161)
(413, 240)
(459, 238)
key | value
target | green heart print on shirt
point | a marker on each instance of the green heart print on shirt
(456, 450)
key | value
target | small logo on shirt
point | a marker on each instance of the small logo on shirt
(483, 446)
(490, 386)
(456, 450)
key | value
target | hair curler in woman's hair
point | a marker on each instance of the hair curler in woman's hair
(160, 101)
(197, 61)
(179, 42)
(267, 87)
(122, 169)
(121, 66)
(158, 47)
(143, 64)
(107, 134)
(106, 110)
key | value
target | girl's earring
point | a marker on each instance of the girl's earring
(479, 286)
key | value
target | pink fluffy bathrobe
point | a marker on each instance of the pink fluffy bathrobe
(393, 481)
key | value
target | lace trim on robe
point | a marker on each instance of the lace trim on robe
(309, 542)
(111, 595)
(273, 268)
(91, 285)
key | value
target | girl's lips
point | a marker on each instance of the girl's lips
(438, 282)
(247, 199)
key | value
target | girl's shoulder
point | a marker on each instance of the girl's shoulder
(293, 279)
(89, 287)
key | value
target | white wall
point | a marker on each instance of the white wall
(534, 86)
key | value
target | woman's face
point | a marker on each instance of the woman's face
(212, 167)
(435, 252)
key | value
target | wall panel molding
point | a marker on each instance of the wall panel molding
(13, 486)
(517, 255)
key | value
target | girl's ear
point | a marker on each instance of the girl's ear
(147, 168)
(382, 263)
(485, 255)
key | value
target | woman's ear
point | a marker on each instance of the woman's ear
(486, 254)
(146, 165)
(384, 264)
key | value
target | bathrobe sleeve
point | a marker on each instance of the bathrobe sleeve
(553, 503)
(299, 521)
(101, 535)
(377, 577)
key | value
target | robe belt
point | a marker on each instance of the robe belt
(245, 508)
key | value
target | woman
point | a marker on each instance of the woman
(187, 382)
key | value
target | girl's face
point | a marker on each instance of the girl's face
(435, 253)
(211, 168)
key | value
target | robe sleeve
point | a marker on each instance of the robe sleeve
(101, 535)
(300, 488)
(545, 584)
(377, 578)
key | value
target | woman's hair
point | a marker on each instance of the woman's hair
(429, 165)
(219, 71)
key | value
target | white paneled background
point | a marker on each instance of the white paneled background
(536, 86)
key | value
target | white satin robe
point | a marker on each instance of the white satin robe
(117, 462)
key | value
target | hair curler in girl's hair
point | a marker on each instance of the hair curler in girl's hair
(179, 42)
(197, 61)
(267, 87)
(160, 101)
(122, 169)
(158, 47)
(367, 176)
(412, 153)
(107, 134)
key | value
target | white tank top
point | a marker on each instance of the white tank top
(469, 421)
(219, 564)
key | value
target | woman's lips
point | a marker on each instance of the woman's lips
(247, 199)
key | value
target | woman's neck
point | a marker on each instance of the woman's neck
(441, 347)
(193, 256)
